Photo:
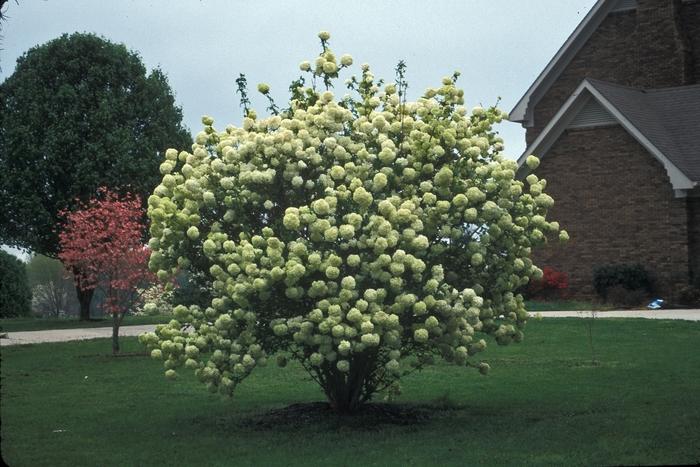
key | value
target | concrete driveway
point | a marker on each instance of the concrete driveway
(62, 335)
(689, 315)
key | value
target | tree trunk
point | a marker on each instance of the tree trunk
(85, 298)
(115, 333)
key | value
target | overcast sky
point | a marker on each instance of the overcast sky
(500, 46)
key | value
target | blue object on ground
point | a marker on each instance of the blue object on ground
(656, 304)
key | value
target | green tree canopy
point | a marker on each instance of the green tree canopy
(15, 294)
(79, 112)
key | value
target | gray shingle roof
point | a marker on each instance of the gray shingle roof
(669, 118)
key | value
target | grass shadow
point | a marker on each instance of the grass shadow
(374, 416)
(103, 356)
(319, 416)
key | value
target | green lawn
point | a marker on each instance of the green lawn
(544, 402)
(39, 324)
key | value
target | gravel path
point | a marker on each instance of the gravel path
(62, 335)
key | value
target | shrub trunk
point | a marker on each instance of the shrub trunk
(348, 391)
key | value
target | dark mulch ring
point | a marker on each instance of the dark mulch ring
(118, 355)
(313, 414)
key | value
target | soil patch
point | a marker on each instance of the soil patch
(369, 416)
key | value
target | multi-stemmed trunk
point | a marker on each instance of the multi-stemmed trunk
(347, 392)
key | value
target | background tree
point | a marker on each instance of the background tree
(15, 294)
(53, 290)
(102, 241)
(362, 237)
(79, 112)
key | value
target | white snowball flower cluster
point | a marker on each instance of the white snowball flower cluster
(361, 237)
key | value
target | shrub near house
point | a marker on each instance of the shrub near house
(552, 284)
(623, 284)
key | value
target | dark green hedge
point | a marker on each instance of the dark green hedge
(15, 294)
(629, 276)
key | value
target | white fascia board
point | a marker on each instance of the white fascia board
(562, 58)
(557, 124)
(567, 112)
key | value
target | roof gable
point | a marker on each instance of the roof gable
(522, 112)
(665, 122)
(669, 118)
(562, 58)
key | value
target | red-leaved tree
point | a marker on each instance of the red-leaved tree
(101, 243)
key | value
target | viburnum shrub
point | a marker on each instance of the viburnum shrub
(552, 282)
(361, 237)
(101, 244)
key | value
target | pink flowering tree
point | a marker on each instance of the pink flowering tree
(101, 244)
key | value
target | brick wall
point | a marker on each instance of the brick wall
(690, 18)
(617, 203)
(694, 236)
(663, 51)
(650, 47)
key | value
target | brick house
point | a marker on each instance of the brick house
(615, 120)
